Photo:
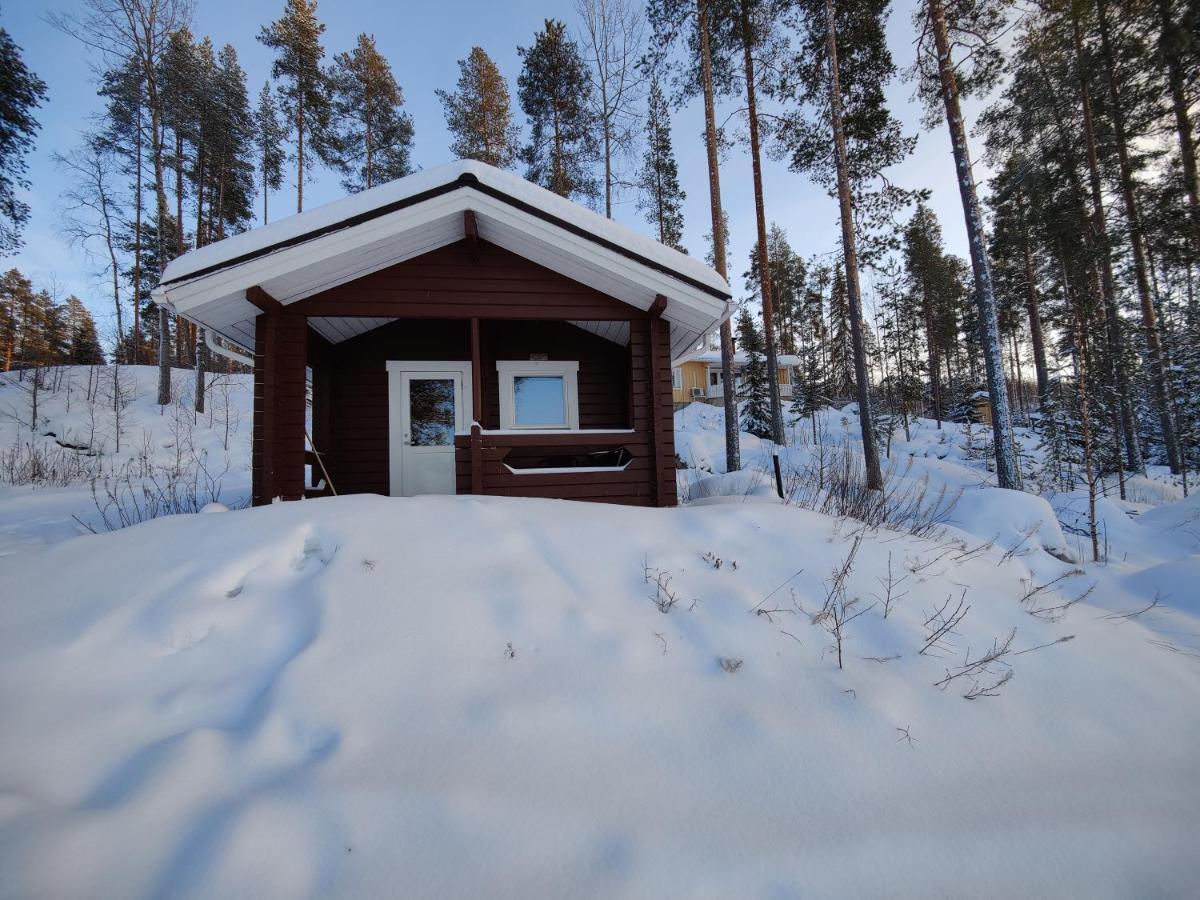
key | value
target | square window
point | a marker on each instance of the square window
(539, 394)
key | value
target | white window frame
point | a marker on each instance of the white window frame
(510, 369)
(677, 379)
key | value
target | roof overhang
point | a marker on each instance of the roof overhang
(330, 245)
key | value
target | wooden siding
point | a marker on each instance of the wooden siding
(448, 284)
(522, 310)
(648, 480)
(695, 375)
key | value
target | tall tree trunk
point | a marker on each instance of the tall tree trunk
(1169, 44)
(850, 254)
(764, 266)
(1085, 422)
(1112, 317)
(266, 188)
(733, 454)
(199, 389)
(370, 138)
(935, 366)
(179, 246)
(300, 156)
(1033, 310)
(1007, 473)
(136, 350)
(607, 149)
(160, 194)
(1158, 373)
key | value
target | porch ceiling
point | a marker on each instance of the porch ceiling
(332, 245)
(336, 329)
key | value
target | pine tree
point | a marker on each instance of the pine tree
(839, 70)
(81, 330)
(21, 92)
(976, 24)
(661, 197)
(16, 300)
(788, 284)
(184, 77)
(934, 284)
(555, 94)
(751, 28)
(753, 391)
(1159, 383)
(136, 32)
(305, 93)
(373, 136)
(479, 113)
(704, 72)
(123, 133)
(268, 142)
(228, 179)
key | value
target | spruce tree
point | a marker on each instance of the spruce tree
(479, 113)
(555, 93)
(21, 92)
(753, 392)
(304, 91)
(268, 143)
(840, 383)
(373, 137)
(661, 197)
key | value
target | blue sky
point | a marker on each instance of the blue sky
(423, 41)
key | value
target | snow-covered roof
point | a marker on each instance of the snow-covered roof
(739, 358)
(318, 249)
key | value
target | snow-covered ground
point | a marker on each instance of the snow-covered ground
(135, 450)
(460, 696)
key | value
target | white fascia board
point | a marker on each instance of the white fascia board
(605, 261)
(189, 295)
(690, 308)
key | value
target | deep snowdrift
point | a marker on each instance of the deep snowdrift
(479, 697)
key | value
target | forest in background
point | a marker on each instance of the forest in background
(1075, 313)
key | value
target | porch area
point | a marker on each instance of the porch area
(566, 408)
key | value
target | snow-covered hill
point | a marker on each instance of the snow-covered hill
(461, 696)
(56, 440)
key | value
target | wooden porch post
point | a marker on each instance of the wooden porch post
(476, 408)
(663, 481)
(280, 355)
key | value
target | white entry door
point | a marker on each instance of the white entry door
(428, 404)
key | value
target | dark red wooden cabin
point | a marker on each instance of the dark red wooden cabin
(457, 331)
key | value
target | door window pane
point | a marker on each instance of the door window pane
(431, 412)
(538, 400)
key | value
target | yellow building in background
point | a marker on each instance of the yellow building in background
(696, 376)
